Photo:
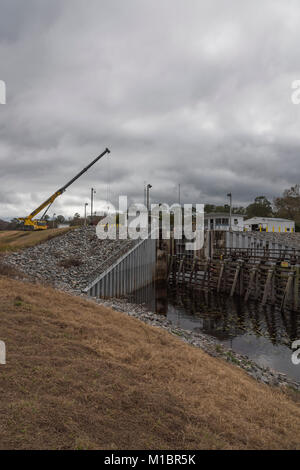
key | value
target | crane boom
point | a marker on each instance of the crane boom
(83, 171)
(30, 224)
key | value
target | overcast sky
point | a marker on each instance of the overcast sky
(182, 91)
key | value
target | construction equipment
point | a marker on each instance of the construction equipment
(29, 223)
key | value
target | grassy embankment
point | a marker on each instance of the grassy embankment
(16, 240)
(81, 376)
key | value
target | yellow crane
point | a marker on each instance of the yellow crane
(29, 223)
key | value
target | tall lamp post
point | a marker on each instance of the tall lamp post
(93, 192)
(85, 206)
(145, 194)
(148, 196)
(230, 210)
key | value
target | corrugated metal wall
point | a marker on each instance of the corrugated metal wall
(132, 271)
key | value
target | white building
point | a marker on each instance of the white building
(269, 224)
(221, 221)
(64, 225)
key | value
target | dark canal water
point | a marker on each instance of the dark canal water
(264, 334)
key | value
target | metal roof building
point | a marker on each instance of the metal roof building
(269, 224)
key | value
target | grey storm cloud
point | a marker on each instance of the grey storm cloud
(196, 93)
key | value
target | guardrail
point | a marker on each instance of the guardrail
(253, 243)
(291, 255)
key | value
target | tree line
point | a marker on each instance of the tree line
(286, 206)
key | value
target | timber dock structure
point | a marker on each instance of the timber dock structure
(252, 266)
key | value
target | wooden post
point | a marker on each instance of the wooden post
(204, 274)
(287, 291)
(241, 283)
(193, 269)
(251, 282)
(180, 269)
(220, 276)
(236, 276)
(268, 284)
(170, 265)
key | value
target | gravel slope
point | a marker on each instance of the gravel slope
(70, 261)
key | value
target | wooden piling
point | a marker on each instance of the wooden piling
(236, 275)
(263, 281)
(220, 276)
(268, 286)
(251, 283)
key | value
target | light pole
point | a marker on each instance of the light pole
(93, 191)
(230, 209)
(145, 194)
(85, 206)
(148, 196)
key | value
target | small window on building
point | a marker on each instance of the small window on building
(236, 221)
(225, 221)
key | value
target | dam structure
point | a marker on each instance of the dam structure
(258, 266)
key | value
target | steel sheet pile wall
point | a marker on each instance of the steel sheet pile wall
(132, 271)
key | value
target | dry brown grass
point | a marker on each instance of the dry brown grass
(80, 375)
(16, 240)
(8, 271)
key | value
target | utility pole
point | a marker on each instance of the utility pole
(85, 206)
(230, 210)
(93, 191)
(179, 193)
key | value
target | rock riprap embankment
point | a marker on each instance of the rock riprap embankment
(70, 261)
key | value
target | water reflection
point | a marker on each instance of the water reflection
(264, 333)
(154, 296)
(227, 317)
